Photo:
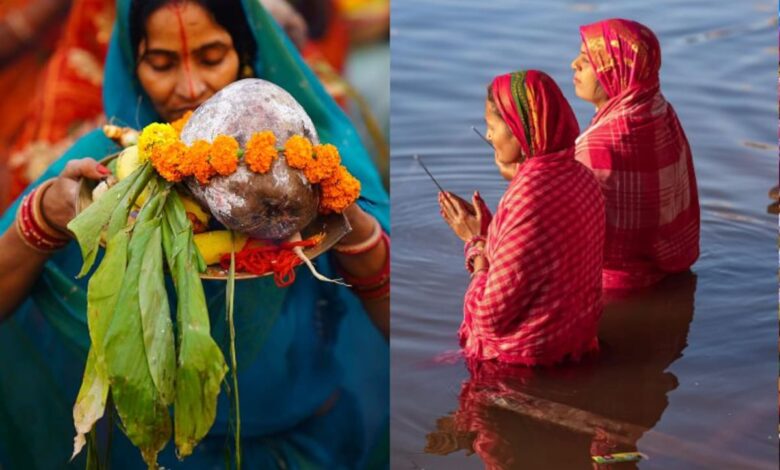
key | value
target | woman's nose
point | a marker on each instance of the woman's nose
(190, 85)
(574, 64)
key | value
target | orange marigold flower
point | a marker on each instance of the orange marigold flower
(338, 191)
(297, 152)
(224, 155)
(261, 151)
(167, 158)
(152, 136)
(325, 162)
(179, 124)
(196, 162)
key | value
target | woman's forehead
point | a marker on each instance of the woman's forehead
(183, 25)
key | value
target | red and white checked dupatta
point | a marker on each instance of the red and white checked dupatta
(539, 301)
(638, 151)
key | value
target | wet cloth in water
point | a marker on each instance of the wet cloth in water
(539, 301)
(638, 151)
(297, 347)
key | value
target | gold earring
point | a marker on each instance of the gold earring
(247, 72)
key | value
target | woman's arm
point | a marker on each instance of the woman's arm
(20, 262)
(367, 264)
(497, 294)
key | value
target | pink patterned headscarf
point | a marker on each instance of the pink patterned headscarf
(638, 151)
(625, 54)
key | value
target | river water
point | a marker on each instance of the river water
(688, 371)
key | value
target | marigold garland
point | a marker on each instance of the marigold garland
(154, 136)
(323, 164)
(297, 152)
(261, 151)
(167, 158)
(179, 124)
(338, 191)
(224, 155)
(320, 164)
(197, 162)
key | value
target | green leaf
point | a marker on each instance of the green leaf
(230, 295)
(91, 401)
(156, 316)
(88, 225)
(140, 406)
(200, 365)
(102, 294)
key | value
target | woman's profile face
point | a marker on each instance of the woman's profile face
(507, 150)
(185, 58)
(586, 84)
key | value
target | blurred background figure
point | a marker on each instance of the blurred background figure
(28, 33)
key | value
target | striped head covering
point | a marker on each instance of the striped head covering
(534, 108)
(625, 54)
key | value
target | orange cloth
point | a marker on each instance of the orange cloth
(18, 80)
(67, 101)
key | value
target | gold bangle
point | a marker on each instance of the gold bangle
(366, 245)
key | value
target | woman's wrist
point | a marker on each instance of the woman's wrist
(372, 286)
(33, 228)
(473, 249)
(363, 246)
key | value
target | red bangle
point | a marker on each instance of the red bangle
(471, 250)
(32, 229)
(376, 281)
(380, 292)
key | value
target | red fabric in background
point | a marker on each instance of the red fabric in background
(638, 151)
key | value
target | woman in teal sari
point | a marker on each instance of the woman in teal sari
(313, 371)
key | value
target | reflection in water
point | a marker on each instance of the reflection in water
(558, 418)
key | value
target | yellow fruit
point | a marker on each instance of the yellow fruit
(212, 245)
(195, 209)
(127, 162)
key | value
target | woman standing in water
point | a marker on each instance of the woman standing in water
(638, 151)
(535, 292)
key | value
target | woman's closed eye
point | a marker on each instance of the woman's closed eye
(160, 61)
(212, 55)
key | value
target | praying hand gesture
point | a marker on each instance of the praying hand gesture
(466, 220)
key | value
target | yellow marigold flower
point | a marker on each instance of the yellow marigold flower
(166, 159)
(154, 135)
(325, 162)
(338, 191)
(179, 124)
(261, 151)
(224, 155)
(196, 162)
(297, 152)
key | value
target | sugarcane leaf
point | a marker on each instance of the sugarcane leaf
(139, 405)
(156, 316)
(200, 363)
(119, 216)
(89, 224)
(102, 293)
(91, 401)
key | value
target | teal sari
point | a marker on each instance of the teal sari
(297, 346)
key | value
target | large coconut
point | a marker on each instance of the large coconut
(274, 205)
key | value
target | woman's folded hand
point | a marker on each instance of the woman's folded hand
(59, 201)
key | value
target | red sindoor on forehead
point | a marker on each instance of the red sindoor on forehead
(177, 8)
